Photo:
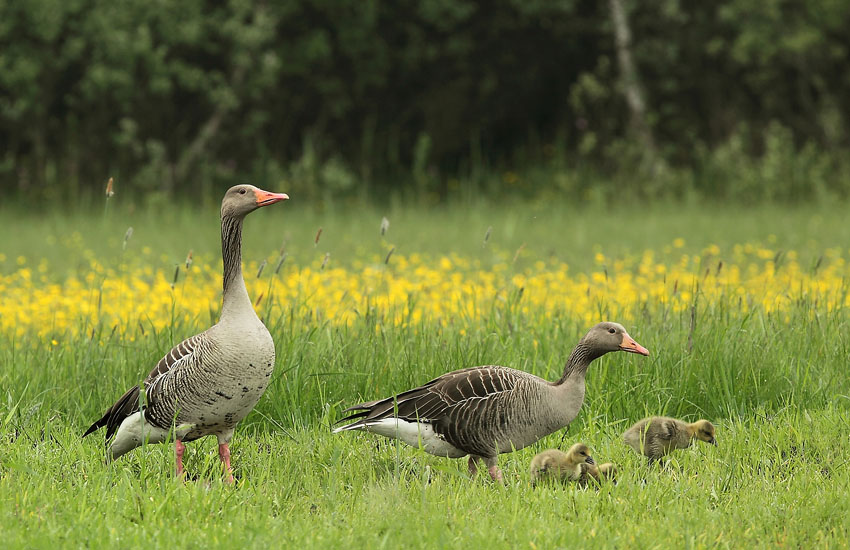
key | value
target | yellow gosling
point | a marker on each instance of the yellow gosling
(607, 471)
(574, 465)
(656, 436)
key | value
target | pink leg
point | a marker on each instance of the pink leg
(179, 448)
(493, 468)
(473, 467)
(224, 455)
(495, 473)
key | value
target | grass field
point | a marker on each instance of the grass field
(745, 311)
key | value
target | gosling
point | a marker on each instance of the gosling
(604, 471)
(656, 436)
(575, 465)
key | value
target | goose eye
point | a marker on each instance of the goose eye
(611, 330)
(242, 191)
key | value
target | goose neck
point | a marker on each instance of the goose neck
(580, 358)
(235, 298)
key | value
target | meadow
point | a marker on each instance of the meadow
(744, 311)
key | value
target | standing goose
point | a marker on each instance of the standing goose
(209, 382)
(485, 411)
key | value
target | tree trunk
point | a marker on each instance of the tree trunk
(631, 82)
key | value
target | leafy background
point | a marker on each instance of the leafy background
(424, 98)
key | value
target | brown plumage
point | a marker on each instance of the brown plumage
(209, 382)
(656, 436)
(484, 411)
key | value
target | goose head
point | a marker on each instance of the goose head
(243, 199)
(608, 336)
(704, 431)
(579, 453)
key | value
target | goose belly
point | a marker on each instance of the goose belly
(415, 434)
(518, 435)
(227, 394)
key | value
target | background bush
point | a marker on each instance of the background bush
(418, 96)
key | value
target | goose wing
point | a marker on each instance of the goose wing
(184, 353)
(460, 405)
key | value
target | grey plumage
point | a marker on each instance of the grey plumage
(657, 436)
(207, 383)
(485, 411)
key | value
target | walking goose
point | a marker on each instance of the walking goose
(656, 436)
(209, 382)
(485, 411)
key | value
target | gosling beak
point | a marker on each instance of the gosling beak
(589, 460)
(628, 344)
(264, 198)
(713, 441)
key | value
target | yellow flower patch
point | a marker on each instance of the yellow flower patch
(417, 289)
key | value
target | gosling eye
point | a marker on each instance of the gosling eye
(611, 331)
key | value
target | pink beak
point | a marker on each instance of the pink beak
(264, 198)
(628, 344)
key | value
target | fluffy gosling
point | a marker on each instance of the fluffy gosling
(603, 471)
(656, 436)
(575, 465)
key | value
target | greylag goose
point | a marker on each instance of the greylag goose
(485, 411)
(573, 465)
(656, 436)
(209, 382)
(604, 471)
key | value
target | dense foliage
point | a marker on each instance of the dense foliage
(341, 96)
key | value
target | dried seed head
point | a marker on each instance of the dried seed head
(487, 234)
(127, 235)
(318, 234)
(518, 252)
(109, 191)
(385, 225)
(280, 262)
(325, 261)
(262, 267)
(176, 275)
(390, 253)
(188, 259)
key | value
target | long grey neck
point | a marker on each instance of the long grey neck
(235, 298)
(579, 360)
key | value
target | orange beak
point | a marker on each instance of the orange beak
(264, 198)
(628, 344)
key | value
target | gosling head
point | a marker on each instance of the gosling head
(579, 453)
(704, 431)
(609, 336)
(243, 199)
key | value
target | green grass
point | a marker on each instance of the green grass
(778, 392)
(567, 231)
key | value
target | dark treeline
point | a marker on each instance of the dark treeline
(340, 96)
